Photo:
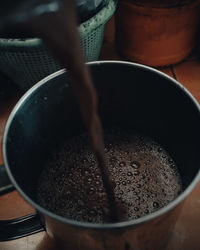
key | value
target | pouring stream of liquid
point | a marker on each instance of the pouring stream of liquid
(59, 32)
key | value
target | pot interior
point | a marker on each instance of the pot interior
(130, 97)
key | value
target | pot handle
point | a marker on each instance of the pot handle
(18, 227)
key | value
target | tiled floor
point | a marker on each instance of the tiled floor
(186, 235)
(11, 205)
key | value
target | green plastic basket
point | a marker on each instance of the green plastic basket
(26, 62)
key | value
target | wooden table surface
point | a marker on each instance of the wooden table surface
(186, 234)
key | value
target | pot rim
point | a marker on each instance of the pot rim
(88, 225)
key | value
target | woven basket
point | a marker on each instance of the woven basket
(28, 61)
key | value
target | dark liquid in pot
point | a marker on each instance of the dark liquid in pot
(144, 177)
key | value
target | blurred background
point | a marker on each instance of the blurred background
(164, 34)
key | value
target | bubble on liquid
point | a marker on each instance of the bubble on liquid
(84, 160)
(137, 198)
(92, 212)
(93, 163)
(89, 180)
(101, 190)
(122, 164)
(92, 189)
(136, 209)
(136, 172)
(155, 204)
(86, 171)
(63, 175)
(106, 149)
(135, 164)
(129, 174)
(153, 195)
(112, 165)
(68, 192)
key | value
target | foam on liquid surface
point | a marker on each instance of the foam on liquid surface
(145, 178)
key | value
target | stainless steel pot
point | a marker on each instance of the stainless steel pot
(130, 96)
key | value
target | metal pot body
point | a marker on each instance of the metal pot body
(153, 234)
(131, 96)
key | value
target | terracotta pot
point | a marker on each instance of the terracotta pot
(156, 36)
